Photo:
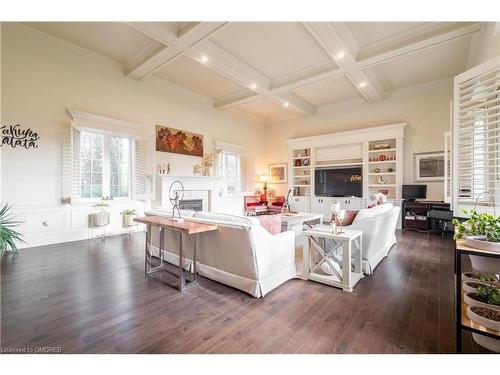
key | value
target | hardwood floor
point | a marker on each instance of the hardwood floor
(92, 297)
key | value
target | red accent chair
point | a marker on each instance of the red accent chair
(276, 206)
(253, 206)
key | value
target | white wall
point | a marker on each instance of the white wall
(425, 108)
(484, 45)
(44, 76)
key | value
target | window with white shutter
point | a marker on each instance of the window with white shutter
(230, 166)
(108, 159)
(476, 143)
(142, 181)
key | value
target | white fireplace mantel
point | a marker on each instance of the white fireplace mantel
(207, 188)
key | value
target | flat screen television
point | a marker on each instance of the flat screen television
(412, 192)
(338, 182)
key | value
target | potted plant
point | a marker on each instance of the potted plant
(481, 278)
(485, 296)
(102, 218)
(128, 216)
(9, 237)
(480, 231)
(488, 318)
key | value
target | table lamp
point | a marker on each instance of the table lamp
(265, 178)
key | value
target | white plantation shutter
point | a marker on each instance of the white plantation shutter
(75, 162)
(142, 173)
(447, 167)
(477, 137)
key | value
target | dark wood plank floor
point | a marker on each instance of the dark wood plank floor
(92, 297)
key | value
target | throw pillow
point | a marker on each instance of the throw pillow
(252, 204)
(349, 218)
(272, 223)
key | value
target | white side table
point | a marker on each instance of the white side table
(345, 247)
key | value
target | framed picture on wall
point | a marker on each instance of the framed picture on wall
(429, 166)
(178, 141)
(278, 173)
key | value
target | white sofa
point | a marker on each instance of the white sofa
(379, 233)
(241, 253)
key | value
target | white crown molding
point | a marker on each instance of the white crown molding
(450, 36)
(99, 119)
(358, 135)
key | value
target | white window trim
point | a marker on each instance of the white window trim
(106, 167)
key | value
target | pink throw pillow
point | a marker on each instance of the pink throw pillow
(349, 218)
(272, 223)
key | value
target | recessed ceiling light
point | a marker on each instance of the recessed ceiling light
(341, 55)
(286, 104)
(362, 84)
(253, 86)
(204, 59)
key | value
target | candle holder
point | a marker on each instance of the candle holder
(341, 216)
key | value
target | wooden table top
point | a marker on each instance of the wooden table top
(460, 245)
(188, 227)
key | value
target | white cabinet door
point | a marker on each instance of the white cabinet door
(321, 205)
(351, 204)
(300, 204)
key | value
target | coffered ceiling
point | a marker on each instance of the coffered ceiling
(276, 70)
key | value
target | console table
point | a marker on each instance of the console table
(185, 228)
(344, 245)
(420, 208)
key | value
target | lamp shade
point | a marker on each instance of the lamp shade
(264, 178)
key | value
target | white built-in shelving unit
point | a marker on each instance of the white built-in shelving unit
(378, 150)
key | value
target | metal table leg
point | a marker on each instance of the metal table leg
(458, 301)
(182, 282)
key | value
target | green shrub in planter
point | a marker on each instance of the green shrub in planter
(478, 225)
(9, 237)
(490, 294)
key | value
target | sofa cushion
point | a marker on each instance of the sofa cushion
(371, 212)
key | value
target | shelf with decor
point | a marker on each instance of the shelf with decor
(301, 172)
(383, 162)
(382, 150)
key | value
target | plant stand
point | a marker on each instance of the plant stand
(462, 321)
(100, 220)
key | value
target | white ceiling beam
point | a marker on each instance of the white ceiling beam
(237, 99)
(230, 66)
(175, 45)
(359, 71)
(293, 103)
(342, 49)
